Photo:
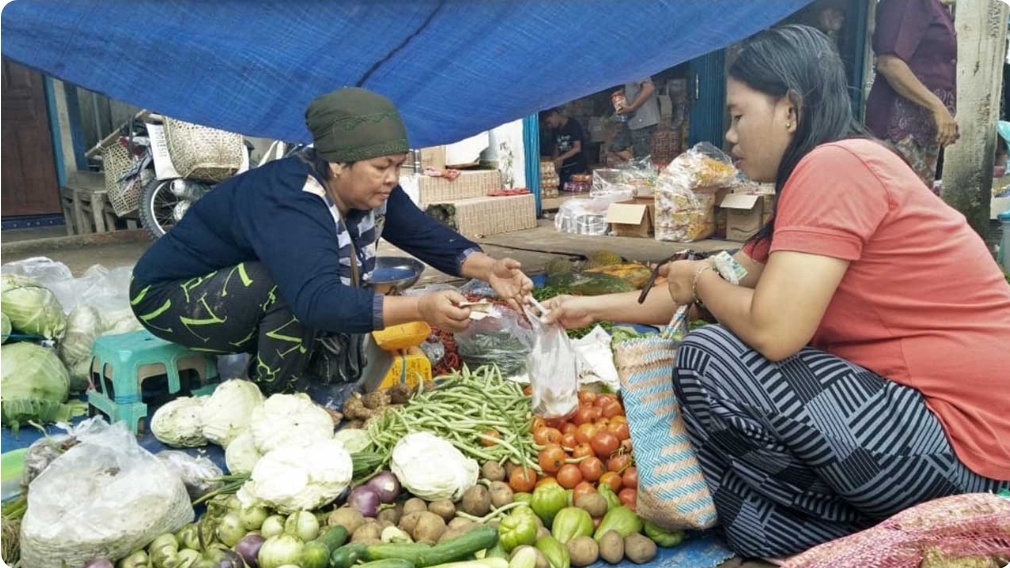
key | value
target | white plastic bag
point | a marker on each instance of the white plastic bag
(553, 370)
(103, 498)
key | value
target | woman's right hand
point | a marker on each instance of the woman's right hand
(946, 127)
(441, 310)
(570, 311)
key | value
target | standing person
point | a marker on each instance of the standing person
(275, 256)
(913, 100)
(854, 369)
(642, 112)
(569, 153)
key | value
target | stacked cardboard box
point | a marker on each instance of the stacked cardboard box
(485, 216)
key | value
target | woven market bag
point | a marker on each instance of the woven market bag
(671, 487)
(203, 153)
(125, 195)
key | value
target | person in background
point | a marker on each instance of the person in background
(853, 370)
(569, 144)
(642, 112)
(913, 100)
(277, 256)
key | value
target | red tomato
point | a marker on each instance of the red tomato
(620, 430)
(582, 450)
(630, 477)
(584, 415)
(618, 463)
(591, 468)
(613, 480)
(569, 476)
(568, 441)
(585, 433)
(612, 409)
(583, 488)
(605, 443)
(569, 428)
(551, 458)
(523, 479)
(628, 497)
(587, 397)
(604, 399)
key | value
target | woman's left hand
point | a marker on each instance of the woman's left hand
(509, 282)
(680, 279)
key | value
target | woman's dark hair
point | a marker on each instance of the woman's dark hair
(799, 62)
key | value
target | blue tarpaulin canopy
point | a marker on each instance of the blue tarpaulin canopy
(454, 67)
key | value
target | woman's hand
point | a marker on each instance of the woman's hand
(946, 127)
(508, 280)
(441, 310)
(570, 311)
(680, 276)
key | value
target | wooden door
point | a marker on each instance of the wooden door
(28, 184)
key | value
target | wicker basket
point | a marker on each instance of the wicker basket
(203, 153)
(124, 196)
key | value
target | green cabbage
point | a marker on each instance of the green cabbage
(32, 372)
(31, 307)
(5, 327)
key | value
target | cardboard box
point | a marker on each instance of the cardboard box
(744, 212)
(485, 216)
(469, 184)
(635, 218)
(433, 157)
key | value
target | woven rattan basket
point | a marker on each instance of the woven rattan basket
(203, 153)
(124, 196)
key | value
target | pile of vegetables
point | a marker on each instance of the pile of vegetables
(34, 386)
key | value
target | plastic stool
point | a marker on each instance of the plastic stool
(120, 364)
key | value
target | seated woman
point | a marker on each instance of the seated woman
(862, 366)
(281, 253)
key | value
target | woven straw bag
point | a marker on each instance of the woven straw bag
(116, 161)
(203, 153)
(671, 487)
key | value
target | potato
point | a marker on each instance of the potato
(414, 505)
(384, 524)
(492, 471)
(501, 494)
(612, 547)
(346, 517)
(429, 527)
(476, 501)
(391, 515)
(452, 533)
(408, 522)
(639, 548)
(443, 508)
(583, 551)
(370, 530)
(461, 523)
(542, 560)
(594, 504)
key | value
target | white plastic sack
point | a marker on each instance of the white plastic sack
(553, 370)
(104, 498)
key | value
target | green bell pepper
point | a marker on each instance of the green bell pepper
(517, 528)
(662, 537)
(620, 519)
(571, 522)
(547, 500)
(612, 499)
(555, 552)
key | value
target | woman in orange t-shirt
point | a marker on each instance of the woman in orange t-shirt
(862, 365)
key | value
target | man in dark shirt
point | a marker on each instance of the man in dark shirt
(569, 138)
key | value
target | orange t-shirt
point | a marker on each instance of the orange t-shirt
(922, 303)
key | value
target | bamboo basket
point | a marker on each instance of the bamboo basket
(203, 153)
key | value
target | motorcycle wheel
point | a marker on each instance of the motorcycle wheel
(157, 207)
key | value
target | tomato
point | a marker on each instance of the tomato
(612, 409)
(569, 428)
(613, 480)
(605, 399)
(547, 436)
(583, 488)
(538, 423)
(591, 468)
(605, 443)
(619, 463)
(557, 423)
(528, 390)
(630, 477)
(584, 415)
(568, 441)
(569, 476)
(620, 430)
(582, 450)
(540, 435)
(596, 413)
(491, 438)
(587, 397)
(551, 458)
(628, 497)
(620, 418)
(586, 433)
(523, 479)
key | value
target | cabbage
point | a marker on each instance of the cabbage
(241, 455)
(299, 478)
(177, 423)
(227, 411)
(431, 468)
(32, 372)
(354, 439)
(289, 420)
(84, 325)
(31, 307)
(5, 327)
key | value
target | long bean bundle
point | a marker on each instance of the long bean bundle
(480, 412)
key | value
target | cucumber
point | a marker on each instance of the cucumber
(388, 563)
(347, 555)
(333, 538)
(421, 555)
(315, 555)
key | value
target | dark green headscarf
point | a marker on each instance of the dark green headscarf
(353, 124)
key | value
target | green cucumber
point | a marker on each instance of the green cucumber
(388, 563)
(333, 538)
(347, 555)
(421, 555)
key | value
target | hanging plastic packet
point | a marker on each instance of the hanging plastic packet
(553, 369)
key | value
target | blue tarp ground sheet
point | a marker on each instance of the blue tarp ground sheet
(454, 67)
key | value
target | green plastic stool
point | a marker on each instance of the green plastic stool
(121, 363)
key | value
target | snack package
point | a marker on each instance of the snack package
(685, 193)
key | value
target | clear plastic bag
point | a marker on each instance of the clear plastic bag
(685, 193)
(104, 498)
(194, 471)
(552, 366)
(504, 339)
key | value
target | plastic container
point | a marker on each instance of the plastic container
(1004, 247)
(402, 336)
(408, 368)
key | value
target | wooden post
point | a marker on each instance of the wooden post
(981, 51)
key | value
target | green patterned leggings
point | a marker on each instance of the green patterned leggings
(232, 310)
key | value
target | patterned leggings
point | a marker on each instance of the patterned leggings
(809, 449)
(233, 310)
